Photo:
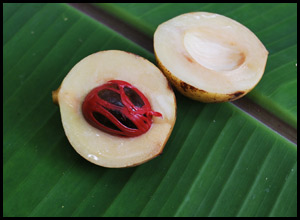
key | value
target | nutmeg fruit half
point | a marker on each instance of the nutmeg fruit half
(117, 109)
(209, 57)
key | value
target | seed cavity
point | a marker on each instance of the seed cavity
(211, 52)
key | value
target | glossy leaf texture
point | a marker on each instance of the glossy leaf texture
(218, 161)
(274, 24)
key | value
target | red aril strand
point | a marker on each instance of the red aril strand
(118, 108)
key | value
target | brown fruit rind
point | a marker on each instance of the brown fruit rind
(195, 93)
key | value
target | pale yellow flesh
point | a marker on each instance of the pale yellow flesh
(102, 148)
(210, 52)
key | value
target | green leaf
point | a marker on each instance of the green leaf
(274, 24)
(218, 161)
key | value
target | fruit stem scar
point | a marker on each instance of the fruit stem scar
(55, 96)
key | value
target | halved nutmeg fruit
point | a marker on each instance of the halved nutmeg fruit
(209, 57)
(117, 109)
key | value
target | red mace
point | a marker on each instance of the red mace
(118, 108)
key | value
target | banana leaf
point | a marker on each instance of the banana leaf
(274, 24)
(219, 161)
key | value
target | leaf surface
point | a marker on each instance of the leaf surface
(218, 161)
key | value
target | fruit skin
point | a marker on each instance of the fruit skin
(195, 93)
